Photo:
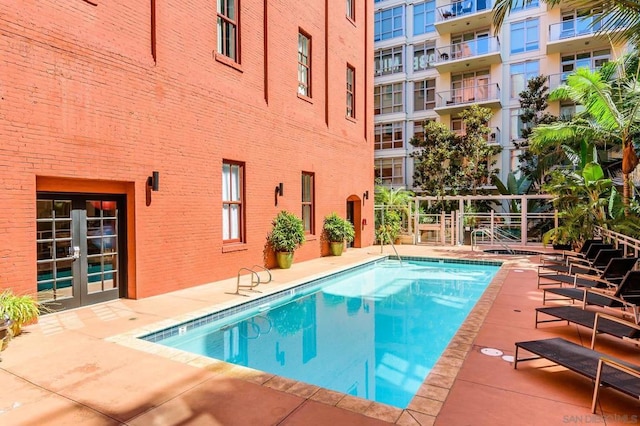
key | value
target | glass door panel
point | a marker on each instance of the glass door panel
(77, 251)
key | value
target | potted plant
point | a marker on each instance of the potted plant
(21, 310)
(286, 235)
(338, 230)
(5, 331)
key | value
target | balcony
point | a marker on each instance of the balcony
(556, 80)
(454, 101)
(463, 16)
(577, 34)
(473, 53)
(492, 138)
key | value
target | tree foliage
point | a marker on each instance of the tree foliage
(533, 104)
(447, 163)
(611, 115)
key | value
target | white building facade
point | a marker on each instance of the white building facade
(435, 58)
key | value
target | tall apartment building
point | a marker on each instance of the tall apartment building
(434, 58)
(147, 146)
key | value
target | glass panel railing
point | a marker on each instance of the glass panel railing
(468, 49)
(467, 95)
(579, 27)
(463, 8)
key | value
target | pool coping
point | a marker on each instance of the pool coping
(423, 408)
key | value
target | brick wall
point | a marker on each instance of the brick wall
(83, 105)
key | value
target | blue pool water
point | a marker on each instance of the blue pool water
(374, 332)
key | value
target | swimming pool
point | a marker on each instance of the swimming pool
(374, 331)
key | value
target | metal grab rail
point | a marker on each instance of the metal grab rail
(392, 246)
(265, 270)
(492, 234)
(252, 285)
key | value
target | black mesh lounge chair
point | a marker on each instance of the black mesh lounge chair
(598, 322)
(613, 272)
(564, 267)
(561, 257)
(626, 294)
(603, 369)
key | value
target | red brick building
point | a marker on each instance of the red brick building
(225, 99)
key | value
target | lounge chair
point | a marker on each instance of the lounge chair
(613, 272)
(603, 369)
(565, 266)
(561, 257)
(625, 295)
(598, 322)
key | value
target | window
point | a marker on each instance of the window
(418, 128)
(516, 125)
(457, 126)
(424, 95)
(470, 44)
(351, 9)
(304, 65)
(524, 35)
(520, 74)
(388, 135)
(387, 98)
(228, 28)
(351, 91)
(424, 17)
(308, 212)
(232, 201)
(389, 23)
(424, 56)
(390, 171)
(388, 61)
(518, 6)
(591, 60)
(471, 86)
(569, 110)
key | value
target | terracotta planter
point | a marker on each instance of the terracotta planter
(284, 258)
(336, 248)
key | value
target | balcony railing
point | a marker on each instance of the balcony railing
(467, 95)
(462, 8)
(468, 49)
(492, 138)
(578, 27)
(555, 80)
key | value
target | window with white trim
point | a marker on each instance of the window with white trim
(388, 23)
(388, 135)
(308, 208)
(424, 17)
(232, 202)
(424, 56)
(424, 94)
(390, 171)
(525, 35)
(227, 13)
(388, 61)
(520, 74)
(351, 91)
(304, 64)
(387, 98)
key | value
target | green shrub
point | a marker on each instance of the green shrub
(287, 233)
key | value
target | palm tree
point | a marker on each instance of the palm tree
(614, 12)
(611, 115)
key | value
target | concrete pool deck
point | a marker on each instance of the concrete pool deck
(85, 366)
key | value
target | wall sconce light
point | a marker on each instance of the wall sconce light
(279, 191)
(365, 196)
(153, 181)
